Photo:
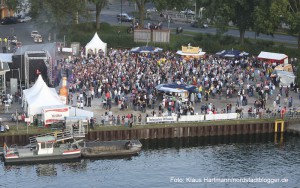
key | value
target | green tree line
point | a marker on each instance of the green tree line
(260, 16)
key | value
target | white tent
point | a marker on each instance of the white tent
(96, 44)
(39, 95)
(286, 78)
(44, 97)
(39, 83)
(282, 58)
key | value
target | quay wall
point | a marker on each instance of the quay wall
(169, 131)
(185, 131)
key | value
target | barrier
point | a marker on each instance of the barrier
(191, 118)
(228, 116)
(161, 119)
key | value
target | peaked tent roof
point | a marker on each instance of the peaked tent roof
(44, 97)
(39, 83)
(272, 56)
(95, 44)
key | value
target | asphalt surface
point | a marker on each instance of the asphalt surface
(109, 15)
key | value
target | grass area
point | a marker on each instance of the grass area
(117, 37)
(21, 129)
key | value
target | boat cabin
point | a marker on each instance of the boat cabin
(45, 145)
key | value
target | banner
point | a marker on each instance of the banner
(191, 118)
(221, 116)
(55, 114)
(161, 119)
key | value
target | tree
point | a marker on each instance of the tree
(171, 4)
(240, 12)
(293, 18)
(51, 15)
(264, 23)
(141, 7)
(12, 4)
(262, 16)
(100, 4)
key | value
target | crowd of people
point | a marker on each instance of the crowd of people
(127, 80)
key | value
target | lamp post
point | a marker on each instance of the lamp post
(121, 11)
(195, 9)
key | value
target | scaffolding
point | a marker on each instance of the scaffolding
(43, 55)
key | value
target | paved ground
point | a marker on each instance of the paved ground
(99, 110)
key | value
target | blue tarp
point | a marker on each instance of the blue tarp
(232, 53)
(146, 49)
(189, 88)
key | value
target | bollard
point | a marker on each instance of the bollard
(279, 121)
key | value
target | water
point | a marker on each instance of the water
(162, 162)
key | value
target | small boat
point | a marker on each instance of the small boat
(118, 148)
(46, 149)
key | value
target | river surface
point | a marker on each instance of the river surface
(238, 161)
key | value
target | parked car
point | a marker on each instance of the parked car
(9, 20)
(124, 17)
(24, 19)
(187, 12)
(38, 38)
(34, 33)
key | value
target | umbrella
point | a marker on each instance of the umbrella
(232, 53)
(179, 88)
(146, 49)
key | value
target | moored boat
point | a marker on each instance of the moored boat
(45, 149)
(118, 148)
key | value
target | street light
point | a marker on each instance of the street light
(195, 9)
(121, 11)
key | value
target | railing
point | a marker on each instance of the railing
(59, 135)
(79, 133)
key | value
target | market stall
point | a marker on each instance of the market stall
(273, 57)
(189, 52)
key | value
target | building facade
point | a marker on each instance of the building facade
(4, 11)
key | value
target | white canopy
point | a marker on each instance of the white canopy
(6, 57)
(96, 44)
(273, 56)
(200, 53)
(286, 78)
(40, 95)
(38, 85)
(173, 90)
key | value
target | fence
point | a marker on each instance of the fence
(290, 115)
